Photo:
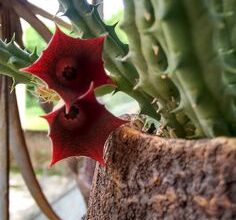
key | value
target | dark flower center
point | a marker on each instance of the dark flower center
(69, 73)
(73, 113)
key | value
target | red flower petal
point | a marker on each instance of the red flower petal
(83, 130)
(69, 65)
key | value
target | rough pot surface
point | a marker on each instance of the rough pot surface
(149, 177)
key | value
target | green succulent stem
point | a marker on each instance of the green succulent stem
(192, 66)
(150, 61)
(12, 58)
(227, 53)
(228, 10)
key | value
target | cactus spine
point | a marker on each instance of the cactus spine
(12, 58)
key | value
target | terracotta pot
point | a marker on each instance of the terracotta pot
(148, 177)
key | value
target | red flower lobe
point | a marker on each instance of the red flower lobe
(69, 65)
(83, 130)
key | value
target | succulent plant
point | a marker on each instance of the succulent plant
(12, 58)
(179, 64)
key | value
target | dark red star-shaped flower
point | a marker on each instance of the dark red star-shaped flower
(83, 130)
(69, 65)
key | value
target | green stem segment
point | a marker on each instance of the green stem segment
(12, 58)
(192, 62)
(224, 13)
(149, 58)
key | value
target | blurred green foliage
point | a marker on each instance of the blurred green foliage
(32, 39)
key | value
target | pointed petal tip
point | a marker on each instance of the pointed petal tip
(55, 158)
(49, 117)
(102, 163)
(46, 117)
(43, 116)
(52, 163)
(58, 29)
(26, 69)
(104, 36)
(89, 92)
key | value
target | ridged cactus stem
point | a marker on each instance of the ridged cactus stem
(12, 58)
(227, 53)
(229, 7)
(145, 101)
(145, 53)
(216, 55)
(181, 21)
(156, 29)
(150, 61)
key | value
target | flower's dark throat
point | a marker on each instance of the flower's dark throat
(69, 73)
(72, 114)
